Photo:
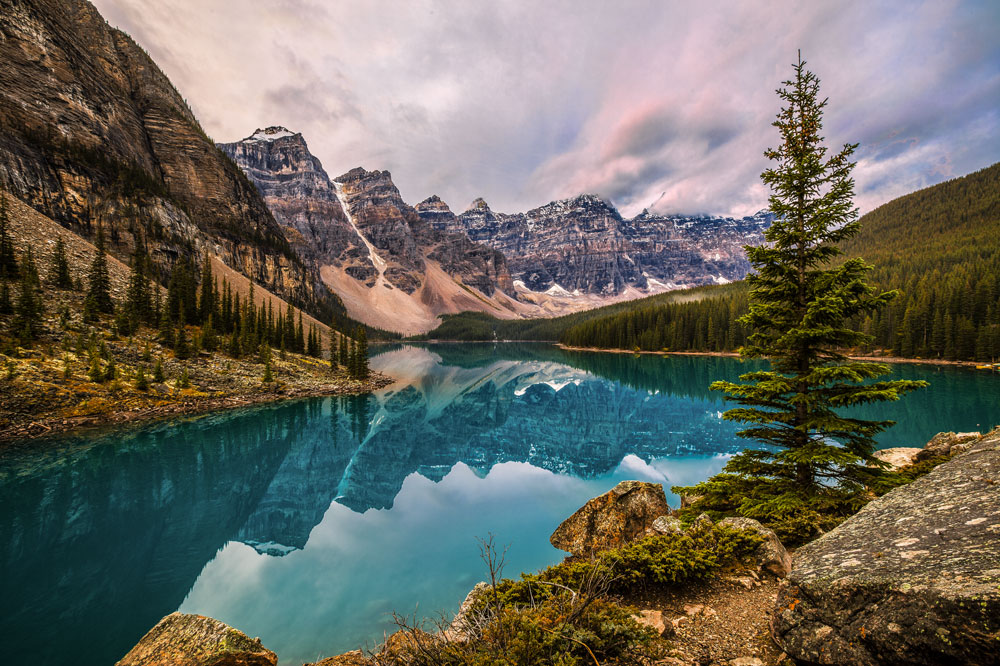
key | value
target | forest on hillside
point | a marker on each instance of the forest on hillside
(939, 247)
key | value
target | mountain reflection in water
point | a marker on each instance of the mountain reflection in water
(307, 523)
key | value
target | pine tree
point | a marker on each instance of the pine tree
(343, 350)
(182, 349)
(94, 373)
(141, 383)
(799, 308)
(8, 260)
(137, 305)
(333, 350)
(184, 381)
(59, 274)
(166, 333)
(233, 348)
(300, 340)
(361, 356)
(98, 300)
(313, 345)
(207, 300)
(27, 322)
(158, 376)
(209, 340)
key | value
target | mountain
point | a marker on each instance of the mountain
(939, 247)
(392, 269)
(92, 133)
(583, 246)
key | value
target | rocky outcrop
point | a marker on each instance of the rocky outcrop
(195, 640)
(899, 456)
(946, 444)
(913, 578)
(93, 133)
(771, 555)
(617, 517)
(583, 245)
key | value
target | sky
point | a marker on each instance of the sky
(657, 104)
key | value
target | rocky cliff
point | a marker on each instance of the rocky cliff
(392, 268)
(93, 133)
(584, 246)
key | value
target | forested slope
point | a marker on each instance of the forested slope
(940, 247)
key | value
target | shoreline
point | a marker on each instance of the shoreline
(878, 359)
(56, 425)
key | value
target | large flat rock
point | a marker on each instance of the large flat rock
(913, 578)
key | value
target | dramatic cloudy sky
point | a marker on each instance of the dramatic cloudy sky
(640, 102)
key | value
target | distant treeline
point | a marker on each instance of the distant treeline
(478, 326)
(940, 247)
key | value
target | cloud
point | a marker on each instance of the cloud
(638, 101)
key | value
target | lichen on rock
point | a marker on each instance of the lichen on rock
(182, 639)
(913, 578)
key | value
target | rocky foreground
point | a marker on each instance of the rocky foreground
(913, 578)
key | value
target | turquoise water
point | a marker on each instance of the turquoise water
(309, 523)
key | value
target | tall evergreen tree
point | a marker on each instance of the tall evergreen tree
(59, 274)
(8, 260)
(27, 322)
(137, 305)
(800, 303)
(207, 299)
(361, 357)
(98, 300)
(333, 349)
(300, 339)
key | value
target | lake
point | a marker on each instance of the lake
(309, 523)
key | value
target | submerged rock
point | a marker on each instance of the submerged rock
(913, 578)
(180, 639)
(771, 555)
(617, 517)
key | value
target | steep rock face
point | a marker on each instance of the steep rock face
(298, 192)
(94, 133)
(910, 579)
(381, 215)
(584, 246)
(392, 268)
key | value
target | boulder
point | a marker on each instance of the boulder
(621, 515)
(897, 457)
(771, 555)
(180, 639)
(666, 525)
(654, 620)
(947, 443)
(912, 578)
